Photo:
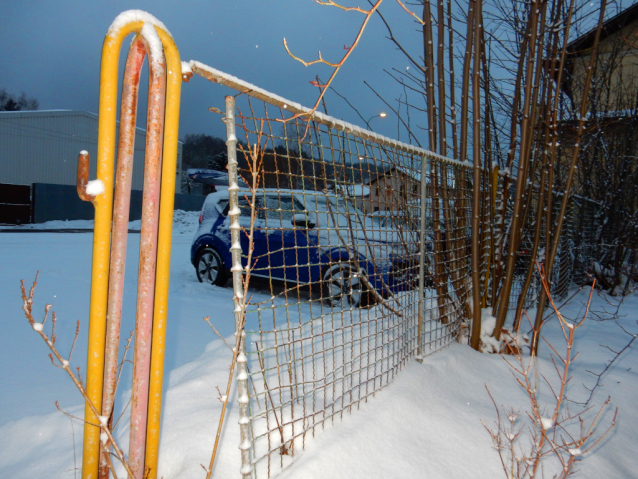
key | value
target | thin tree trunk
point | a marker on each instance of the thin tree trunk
(549, 265)
(521, 177)
(476, 100)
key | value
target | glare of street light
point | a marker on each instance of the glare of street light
(382, 115)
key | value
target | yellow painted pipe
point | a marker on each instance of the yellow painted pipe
(101, 250)
(102, 230)
(167, 199)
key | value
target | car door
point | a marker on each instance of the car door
(287, 243)
(260, 252)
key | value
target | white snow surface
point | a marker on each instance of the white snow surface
(130, 16)
(95, 187)
(547, 423)
(155, 44)
(186, 68)
(488, 322)
(428, 422)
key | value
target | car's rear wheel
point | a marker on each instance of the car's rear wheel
(342, 286)
(210, 267)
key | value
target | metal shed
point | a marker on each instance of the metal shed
(43, 147)
(38, 167)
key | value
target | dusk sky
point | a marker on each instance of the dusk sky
(51, 51)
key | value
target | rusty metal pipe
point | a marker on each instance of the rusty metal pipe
(83, 176)
(148, 256)
(123, 182)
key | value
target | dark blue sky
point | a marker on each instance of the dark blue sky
(51, 51)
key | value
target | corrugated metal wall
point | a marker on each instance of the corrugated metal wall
(43, 147)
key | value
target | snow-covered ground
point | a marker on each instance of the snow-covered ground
(184, 222)
(429, 422)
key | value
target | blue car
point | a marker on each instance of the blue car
(307, 237)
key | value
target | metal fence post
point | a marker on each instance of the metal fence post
(238, 289)
(419, 350)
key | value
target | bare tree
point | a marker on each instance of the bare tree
(9, 102)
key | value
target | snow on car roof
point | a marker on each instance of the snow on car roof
(224, 193)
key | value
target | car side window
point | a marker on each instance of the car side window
(282, 207)
(222, 207)
(297, 206)
(244, 207)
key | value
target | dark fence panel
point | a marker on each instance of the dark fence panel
(15, 204)
(61, 202)
(189, 202)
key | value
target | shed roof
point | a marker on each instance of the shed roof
(611, 26)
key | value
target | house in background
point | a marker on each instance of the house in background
(390, 190)
(616, 77)
(608, 159)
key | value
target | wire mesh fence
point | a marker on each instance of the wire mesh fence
(575, 244)
(613, 263)
(362, 268)
(363, 246)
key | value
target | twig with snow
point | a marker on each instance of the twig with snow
(551, 432)
(106, 437)
(609, 364)
(207, 319)
(119, 375)
(336, 66)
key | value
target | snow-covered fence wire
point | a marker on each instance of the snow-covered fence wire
(362, 244)
(337, 243)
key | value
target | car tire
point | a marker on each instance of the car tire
(341, 286)
(209, 267)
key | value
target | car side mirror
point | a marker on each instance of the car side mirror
(300, 220)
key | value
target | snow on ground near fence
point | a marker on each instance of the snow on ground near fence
(334, 360)
(184, 222)
(64, 261)
(426, 423)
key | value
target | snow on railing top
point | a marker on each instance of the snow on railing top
(156, 53)
(130, 16)
(217, 76)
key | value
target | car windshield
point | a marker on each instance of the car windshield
(329, 209)
(343, 207)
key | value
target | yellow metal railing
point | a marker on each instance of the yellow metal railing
(102, 236)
